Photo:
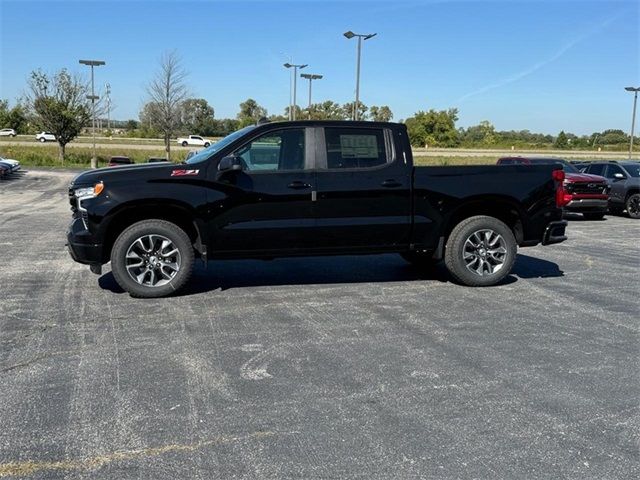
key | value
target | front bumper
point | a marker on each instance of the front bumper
(81, 244)
(555, 233)
(581, 205)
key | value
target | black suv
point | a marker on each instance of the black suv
(624, 178)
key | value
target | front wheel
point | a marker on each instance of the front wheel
(42, 139)
(206, 144)
(152, 258)
(633, 205)
(480, 251)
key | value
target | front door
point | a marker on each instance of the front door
(268, 204)
(364, 187)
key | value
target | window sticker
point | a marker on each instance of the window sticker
(359, 146)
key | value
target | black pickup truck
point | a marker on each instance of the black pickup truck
(309, 188)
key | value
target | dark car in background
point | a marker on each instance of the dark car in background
(584, 193)
(624, 181)
(116, 161)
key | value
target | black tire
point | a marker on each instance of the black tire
(633, 205)
(184, 144)
(593, 216)
(419, 259)
(42, 139)
(206, 144)
(126, 240)
(455, 249)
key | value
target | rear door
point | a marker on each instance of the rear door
(363, 189)
(268, 207)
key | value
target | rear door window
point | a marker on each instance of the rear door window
(355, 148)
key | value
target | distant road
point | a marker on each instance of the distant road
(155, 144)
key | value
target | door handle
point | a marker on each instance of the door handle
(298, 185)
(391, 183)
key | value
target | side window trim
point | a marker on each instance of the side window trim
(388, 149)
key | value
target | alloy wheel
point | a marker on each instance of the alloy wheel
(152, 260)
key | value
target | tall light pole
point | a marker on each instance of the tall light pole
(635, 91)
(311, 77)
(93, 97)
(107, 93)
(361, 37)
(292, 108)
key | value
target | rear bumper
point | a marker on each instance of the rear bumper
(594, 205)
(555, 233)
(82, 246)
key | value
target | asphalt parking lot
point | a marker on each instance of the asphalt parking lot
(317, 367)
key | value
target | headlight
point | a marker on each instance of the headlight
(89, 192)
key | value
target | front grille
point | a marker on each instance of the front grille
(588, 188)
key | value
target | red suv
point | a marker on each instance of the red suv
(583, 193)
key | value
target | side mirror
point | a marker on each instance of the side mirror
(619, 176)
(230, 163)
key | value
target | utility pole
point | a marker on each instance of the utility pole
(361, 37)
(311, 77)
(93, 97)
(635, 91)
(292, 108)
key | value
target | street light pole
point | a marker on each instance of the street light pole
(108, 95)
(93, 98)
(361, 37)
(635, 91)
(292, 108)
(310, 77)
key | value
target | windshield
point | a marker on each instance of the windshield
(633, 169)
(219, 145)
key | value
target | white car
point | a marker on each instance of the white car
(14, 164)
(45, 137)
(196, 140)
(7, 132)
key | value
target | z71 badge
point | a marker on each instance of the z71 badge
(184, 173)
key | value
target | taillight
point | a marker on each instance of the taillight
(562, 196)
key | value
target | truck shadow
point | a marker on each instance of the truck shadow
(229, 274)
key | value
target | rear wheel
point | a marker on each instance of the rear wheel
(152, 258)
(593, 216)
(480, 251)
(184, 144)
(633, 205)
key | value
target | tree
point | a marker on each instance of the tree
(130, 125)
(484, 133)
(15, 117)
(250, 112)
(60, 105)
(380, 114)
(433, 128)
(196, 116)
(348, 108)
(561, 140)
(167, 91)
(327, 110)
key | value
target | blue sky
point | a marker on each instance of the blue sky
(537, 65)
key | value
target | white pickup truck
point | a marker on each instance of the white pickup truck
(194, 140)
